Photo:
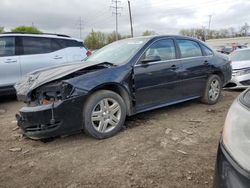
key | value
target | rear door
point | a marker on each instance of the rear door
(195, 68)
(9, 62)
(157, 83)
(40, 52)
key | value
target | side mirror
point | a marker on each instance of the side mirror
(151, 58)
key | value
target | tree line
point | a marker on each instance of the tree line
(205, 34)
(24, 29)
(94, 40)
(98, 39)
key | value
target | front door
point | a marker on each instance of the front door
(156, 83)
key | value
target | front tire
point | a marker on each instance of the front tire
(104, 114)
(213, 90)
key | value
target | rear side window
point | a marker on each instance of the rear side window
(36, 45)
(165, 49)
(69, 43)
(55, 45)
(207, 50)
(7, 46)
(189, 48)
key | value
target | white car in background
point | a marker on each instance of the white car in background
(23, 53)
(241, 69)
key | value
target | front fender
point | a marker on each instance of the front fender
(117, 79)
(88, 81)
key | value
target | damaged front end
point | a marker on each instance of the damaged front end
(54, 106)
(54, 101)
(53, 109)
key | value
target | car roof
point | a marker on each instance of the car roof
(47, 35)
(152, 37)
(162, 36)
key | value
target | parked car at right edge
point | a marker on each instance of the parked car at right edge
(241, 69)
(233, 158)
(21, 53)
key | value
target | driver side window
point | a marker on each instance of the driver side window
(163, 49)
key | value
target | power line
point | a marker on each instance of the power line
(176, 10)
(173, 5)
(100, 16)
(116, 13)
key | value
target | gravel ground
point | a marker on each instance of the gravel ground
(170, 147)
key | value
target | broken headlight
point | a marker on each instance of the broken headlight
(53, 92)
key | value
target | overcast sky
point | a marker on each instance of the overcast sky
(161, 16)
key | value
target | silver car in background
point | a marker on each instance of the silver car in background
(21, 53)
(241, 69)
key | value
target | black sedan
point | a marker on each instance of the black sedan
(233, 158)
(122, 79)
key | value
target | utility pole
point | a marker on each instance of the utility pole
(130, 18)
(209, 22)
(80, 27)
(116, 13)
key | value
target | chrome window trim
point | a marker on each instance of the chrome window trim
(156, 62)
(177, 59)
(167, 38)
(137, 64)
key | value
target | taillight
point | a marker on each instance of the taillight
(88, 53)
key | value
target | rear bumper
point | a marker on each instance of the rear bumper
(46, 121)
(228, 174)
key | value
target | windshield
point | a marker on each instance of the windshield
(241, 55)
(118, 52)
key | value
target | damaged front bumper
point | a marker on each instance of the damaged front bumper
(51, 120)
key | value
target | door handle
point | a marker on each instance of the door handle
(57, 57)
(206, 62)
(10, 61)
(174, 67)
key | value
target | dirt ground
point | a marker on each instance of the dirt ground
(170, 147)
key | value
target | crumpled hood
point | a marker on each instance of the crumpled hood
(37, 78)
(240, 64)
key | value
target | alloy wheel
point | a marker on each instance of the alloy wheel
(214, 90)
(106, 115)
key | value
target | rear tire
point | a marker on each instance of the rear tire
(104, 114)
(212, 91)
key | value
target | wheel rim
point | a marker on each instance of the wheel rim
(106, 115)
(214, 90)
